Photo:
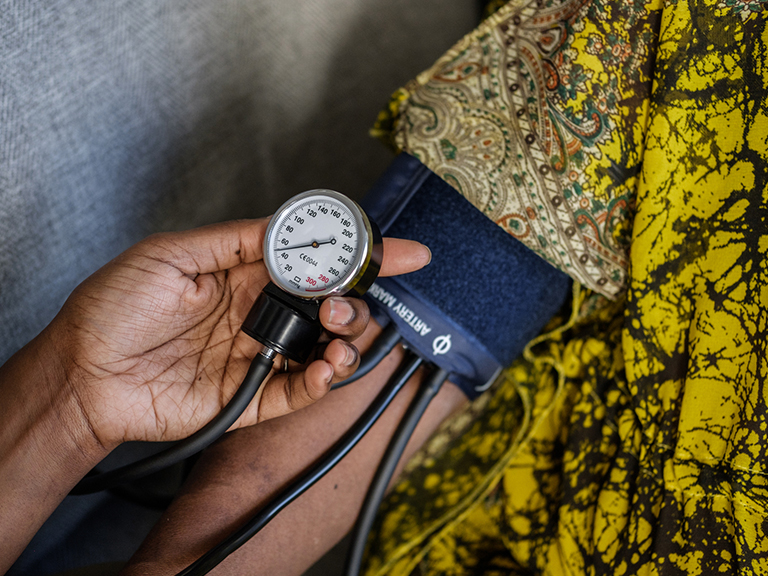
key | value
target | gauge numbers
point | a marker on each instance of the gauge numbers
(315, 243)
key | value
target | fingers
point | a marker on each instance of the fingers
(346, 317)
(225, 245)
(209, 248)
(291, 391)
(403, 256)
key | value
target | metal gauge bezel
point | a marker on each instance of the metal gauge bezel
(355, 271)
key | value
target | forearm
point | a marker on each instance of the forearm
(44, 446)
(249, 467)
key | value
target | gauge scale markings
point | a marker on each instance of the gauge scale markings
(315, 245)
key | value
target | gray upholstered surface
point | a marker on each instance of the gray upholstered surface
(122, 118)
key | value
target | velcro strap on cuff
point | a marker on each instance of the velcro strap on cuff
(483, 296)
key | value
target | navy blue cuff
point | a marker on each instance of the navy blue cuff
(483, 296)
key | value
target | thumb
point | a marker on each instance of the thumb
(209, 248)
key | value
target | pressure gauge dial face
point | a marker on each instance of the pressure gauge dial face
(321, 243)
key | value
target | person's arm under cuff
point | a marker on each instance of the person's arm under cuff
(249, 467)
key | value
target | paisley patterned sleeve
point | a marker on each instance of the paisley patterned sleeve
(537, 118)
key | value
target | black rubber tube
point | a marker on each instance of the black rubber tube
(257, 373)
(341, 448)
(382, 346)
(378, 488)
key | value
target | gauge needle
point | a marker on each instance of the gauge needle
(313, 244)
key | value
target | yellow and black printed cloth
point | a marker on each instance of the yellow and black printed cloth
(627, 144)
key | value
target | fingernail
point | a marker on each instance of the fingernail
(429, 255)
(351, 355)
(342, 312)
(329, 372)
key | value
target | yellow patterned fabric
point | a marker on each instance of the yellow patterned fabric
(632, 437)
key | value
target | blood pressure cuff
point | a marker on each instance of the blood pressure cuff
(483, 296)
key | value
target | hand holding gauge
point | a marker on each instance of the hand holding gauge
(318, 244)
(147, 349)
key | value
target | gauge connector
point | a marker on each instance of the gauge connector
(284, 323)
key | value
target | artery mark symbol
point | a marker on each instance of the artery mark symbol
(441, 345)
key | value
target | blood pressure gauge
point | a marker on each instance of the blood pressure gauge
(318, 244)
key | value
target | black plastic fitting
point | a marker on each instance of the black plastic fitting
(287, 324)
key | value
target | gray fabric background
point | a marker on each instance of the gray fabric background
(125, 117)
(121, 118)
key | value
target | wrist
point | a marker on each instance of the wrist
(65, 381)
(46, 410)
(44, 446)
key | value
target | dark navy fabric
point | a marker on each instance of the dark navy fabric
(437, 337)
(495, 291)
